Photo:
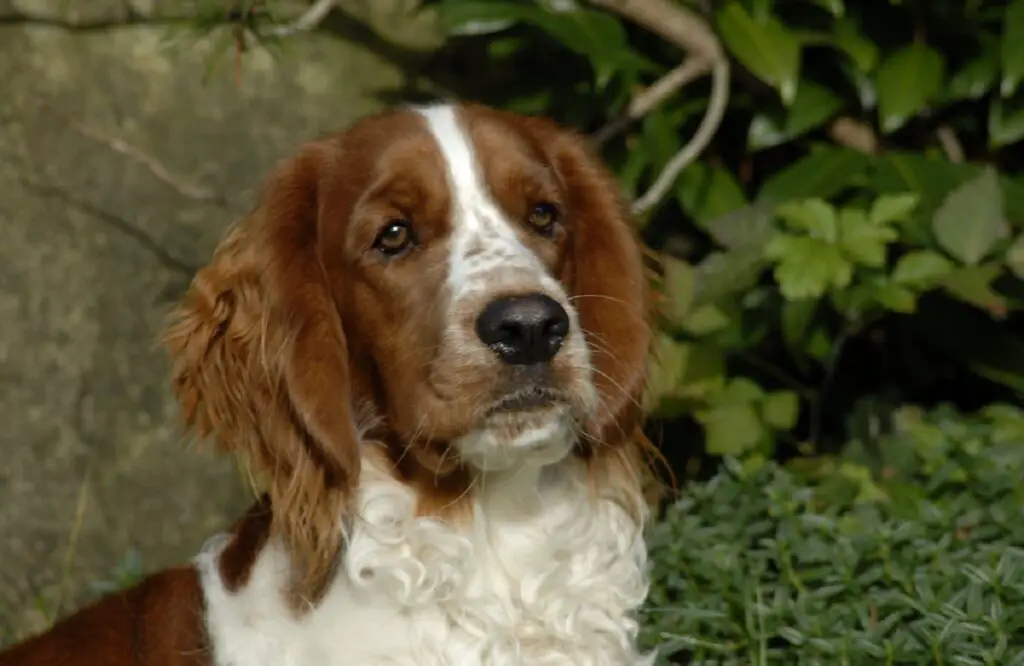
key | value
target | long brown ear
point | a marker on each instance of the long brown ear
(609, 287)
(260, 363)
(610, 291)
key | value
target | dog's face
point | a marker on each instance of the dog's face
(459, 283)
(453, 268)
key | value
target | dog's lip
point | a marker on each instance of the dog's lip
(526, 400)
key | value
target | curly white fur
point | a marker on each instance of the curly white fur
(548, 573)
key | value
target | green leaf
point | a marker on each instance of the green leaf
(889, 208)
(807, 267)
(750, 226)
(931, 178)
(863, 242)
(482, 17)
(724, 273)
(921, 269)
(682, 374)
(1005, 121)
(740, 390)
(861, 50)
(679, 288)
(598, 35)
(659, 138)
(707, 193)
(895, 297)
(970, 221)
(976, 78)
(780, 409)
(665, 367)
(1013, 48)
(1015, 257)
(731, 430)
(704, 320)
(973, 284)
(907, 81)
(822, 174)
(812, 106)
(766, 47)
(815, 216)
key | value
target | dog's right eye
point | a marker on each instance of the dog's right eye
(396, 237)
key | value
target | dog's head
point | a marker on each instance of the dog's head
(457, 285)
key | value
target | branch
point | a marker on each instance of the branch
(697, 143)
(951, 145)
(155, 167)
(684, 73)
(312, 17)
(689, 31)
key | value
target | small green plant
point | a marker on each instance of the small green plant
(922, 563)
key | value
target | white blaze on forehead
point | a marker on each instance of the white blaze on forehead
(483, 240)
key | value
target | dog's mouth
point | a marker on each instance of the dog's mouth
(526, 401)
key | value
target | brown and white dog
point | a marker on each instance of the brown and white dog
(429, 340)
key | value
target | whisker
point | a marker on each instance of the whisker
(462, 495)
(576, 297)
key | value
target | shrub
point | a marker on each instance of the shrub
(762, 565)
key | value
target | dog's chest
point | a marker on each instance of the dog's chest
(551, 579)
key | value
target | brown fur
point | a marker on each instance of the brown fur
(159, 622)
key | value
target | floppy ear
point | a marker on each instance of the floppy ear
(609, 287)
(260, 363)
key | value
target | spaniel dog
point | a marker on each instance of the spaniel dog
(429, 342)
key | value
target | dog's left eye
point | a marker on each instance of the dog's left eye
(543, 218)
(395, 237)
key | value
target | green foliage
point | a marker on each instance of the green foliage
(792, 254)
(924, 565)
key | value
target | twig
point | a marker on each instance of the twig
(121, 146)
(686, 72)
(688, 30)
(672, 21)
(309, 20)
(698, 142)
(950, 144)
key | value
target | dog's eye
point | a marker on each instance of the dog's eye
(543, 218)
(395, 237)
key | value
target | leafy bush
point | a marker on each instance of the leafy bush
(924, 566)
(853, 231)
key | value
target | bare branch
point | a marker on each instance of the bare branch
(688, 30)
(697, 143)
(685, 72)
(134, 153)
(950, 144)
(672, 21)
(309, 20)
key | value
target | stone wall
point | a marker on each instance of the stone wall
(120, 168)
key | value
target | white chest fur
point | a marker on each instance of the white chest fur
(546, 574)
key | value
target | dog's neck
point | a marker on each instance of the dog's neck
(542, 569)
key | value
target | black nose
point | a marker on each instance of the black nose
(523, 330)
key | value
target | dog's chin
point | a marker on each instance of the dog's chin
(521, 430)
